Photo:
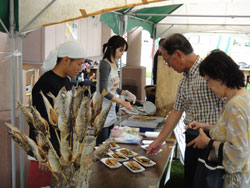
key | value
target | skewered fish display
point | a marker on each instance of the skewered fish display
(73, 118)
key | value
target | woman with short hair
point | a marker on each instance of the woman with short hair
(233, 127)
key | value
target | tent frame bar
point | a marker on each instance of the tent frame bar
(195, 24)
(192, 15)
(166, 30)
(131, 15)
(6, 30)
(35, 17)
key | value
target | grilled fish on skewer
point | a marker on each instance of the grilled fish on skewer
(82, 120)
(39, 122)
(77, 99)
(62, 103)
(37, 151)
(42, 143)
(100, 119)
(27, 144)
(53, 160)
(52, 115)
(27, 114)
(97, 105)
(102, 149)
(19, 138)
(76, 148)
(65, 149)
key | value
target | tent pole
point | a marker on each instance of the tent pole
(21, 127)
(121, 31)
(35, 17)
(12, 91)
(153, 50)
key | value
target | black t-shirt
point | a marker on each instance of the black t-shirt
(49, 82)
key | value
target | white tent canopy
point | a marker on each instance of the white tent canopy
(206, 16)
(64, 10)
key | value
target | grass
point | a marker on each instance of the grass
(176, 177)
(148, 74)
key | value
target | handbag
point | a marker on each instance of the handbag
(209, 174)
(191, 134)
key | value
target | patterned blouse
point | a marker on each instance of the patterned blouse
(233, 128)
(196, 99)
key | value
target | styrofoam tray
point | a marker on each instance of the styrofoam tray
(134, 171)
(151, 163)
(124, 158)
(132, 152)
(103, 160)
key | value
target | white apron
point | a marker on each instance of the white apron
(113, 83)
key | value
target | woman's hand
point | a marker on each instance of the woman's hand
(127, 105)
(130, 96)
(193, 125)
(201, 141)
(197, 125)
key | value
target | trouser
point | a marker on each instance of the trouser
(38, 178)
(104, 135)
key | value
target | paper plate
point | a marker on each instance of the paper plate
(104, 161)
(119, 159)
(127, 164)
(140, 159)
(149, 107)
(127, 152)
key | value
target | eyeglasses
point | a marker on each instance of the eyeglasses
(167, 61)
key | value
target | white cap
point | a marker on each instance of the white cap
(72, 49)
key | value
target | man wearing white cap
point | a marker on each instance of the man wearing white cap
(63, 62)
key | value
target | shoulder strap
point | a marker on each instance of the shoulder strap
(220, 153)
(208, 149)
(210, 144)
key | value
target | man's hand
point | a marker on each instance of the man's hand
(153, 148)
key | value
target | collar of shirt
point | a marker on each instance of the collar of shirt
(193, 68)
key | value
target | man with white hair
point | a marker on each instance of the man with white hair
(63, 62)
